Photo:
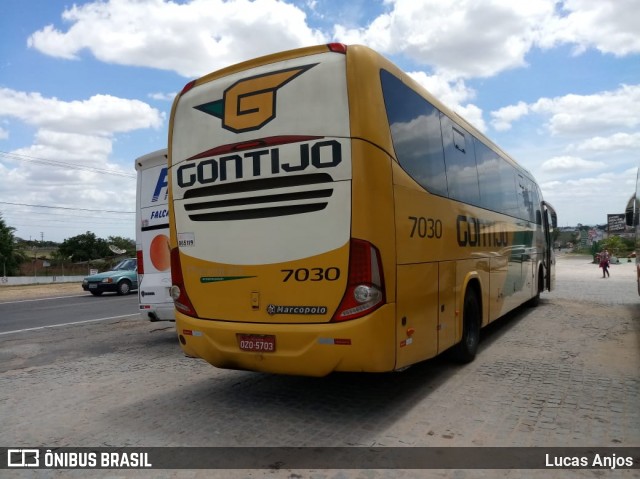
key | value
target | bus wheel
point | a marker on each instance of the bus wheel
(124, 287)
(465, 351)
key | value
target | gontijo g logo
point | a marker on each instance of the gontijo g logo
(249, 104)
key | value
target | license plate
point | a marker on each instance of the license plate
(93, 286)
(262, 343)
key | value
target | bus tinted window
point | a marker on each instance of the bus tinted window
(508, 188)
(462, 174)
(525, 190)
(488, 176)
(415, 129)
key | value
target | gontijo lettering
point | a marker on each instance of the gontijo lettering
(321, 154)
(476, 232)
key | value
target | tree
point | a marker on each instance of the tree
(10, 255)
(84, 247)
(614, 244)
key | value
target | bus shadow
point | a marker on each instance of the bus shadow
(501, 326)
(258, 409)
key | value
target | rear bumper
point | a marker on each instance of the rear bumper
(362, 345)
(154, 312)
(101, 287)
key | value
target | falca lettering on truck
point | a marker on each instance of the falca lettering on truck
(160, 185)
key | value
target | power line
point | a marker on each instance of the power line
(62, 164)
(66, 208)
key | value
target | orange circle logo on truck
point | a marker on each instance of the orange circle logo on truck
(159, 252)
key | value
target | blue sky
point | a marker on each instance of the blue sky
(86, 87)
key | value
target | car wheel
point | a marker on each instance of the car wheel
(124, 287)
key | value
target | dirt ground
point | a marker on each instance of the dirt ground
(35, 291)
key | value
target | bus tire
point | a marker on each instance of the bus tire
(124, 287)
(465, 351)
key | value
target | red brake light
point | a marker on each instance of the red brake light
(188, 87)
(139, 260)
(256, 143)
(365, 285)
(337, 47)
(178, 292)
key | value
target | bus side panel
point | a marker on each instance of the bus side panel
(417, 311)
(448, 324)
(499, 268)
(372, 208)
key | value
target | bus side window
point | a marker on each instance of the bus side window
(415, 130)
(460, 161)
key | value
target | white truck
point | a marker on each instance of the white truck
(152, 238)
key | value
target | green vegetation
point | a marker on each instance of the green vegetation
(10, 256)
(617, 246)
(74, 255)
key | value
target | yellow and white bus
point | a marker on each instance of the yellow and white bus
(328, 214)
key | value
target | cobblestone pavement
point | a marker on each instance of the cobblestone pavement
(562, 374)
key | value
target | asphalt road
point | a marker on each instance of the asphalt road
(48, 312)
(562, 374)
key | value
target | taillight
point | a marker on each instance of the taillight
(365, 286)
(178, 293)
(140, 261)
(337, 47)
(188, 87)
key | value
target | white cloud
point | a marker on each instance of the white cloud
(616, 142)
(463, 38)
(586, 115)
(473, 115)
(459, 37)
(579, 115)
(454, 94)
(590, 198)
(162, 96)
(467, 38)
(191, 38)
(503, 117)
(4, 134)
(99, 115)
(450, 92)
(563, 164)
(609, 26)
(80, 134)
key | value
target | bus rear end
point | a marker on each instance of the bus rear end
(152, 237)
(267, 273)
